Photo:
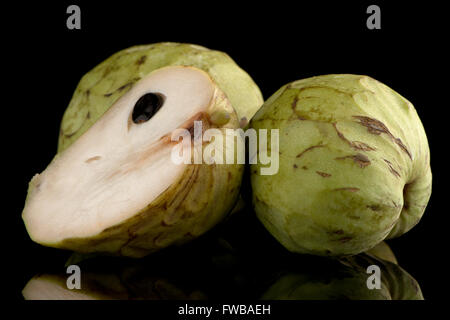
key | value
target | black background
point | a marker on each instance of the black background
(276, 43)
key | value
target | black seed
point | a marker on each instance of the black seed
(146, 107)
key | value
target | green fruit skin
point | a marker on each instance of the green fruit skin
(354, 165)
(109, 80)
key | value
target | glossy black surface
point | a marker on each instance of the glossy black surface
(236, 260)
(276, 44)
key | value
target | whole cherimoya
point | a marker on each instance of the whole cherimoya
(114, 186)
(354, 165)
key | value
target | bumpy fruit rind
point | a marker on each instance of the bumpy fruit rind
(354, 165)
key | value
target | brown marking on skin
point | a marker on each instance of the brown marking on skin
(323, 174)
(243, 122)
(93, 159)
(294, 103)
(305, 168)
(402, 146)
(345, 239)
(360, 159)
(374, 126)
(374, 207)
(124, 86)
(189, 124)
(309, 149)
(340, 135)
(391, 169)
(338, 232)
(88, 116)
(141, 60)
(298, 98)
(191, 131)
(350, 189)
(324, 87)
(396, 205)
(70, 134)
(377, 127)
(358, 145)
(121, 88)
(295, 166)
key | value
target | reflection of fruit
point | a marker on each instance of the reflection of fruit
(294, 286)
(346, 281)
(116, 189)
(187, 273)
(217, 267)
(401, 285)
(384, 252)
(97, 286)
(53, 287)
(103, 85)
(354, 165)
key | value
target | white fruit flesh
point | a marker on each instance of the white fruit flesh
(117, 167)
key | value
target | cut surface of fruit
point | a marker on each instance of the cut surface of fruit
(106, 82)
(123, 162)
